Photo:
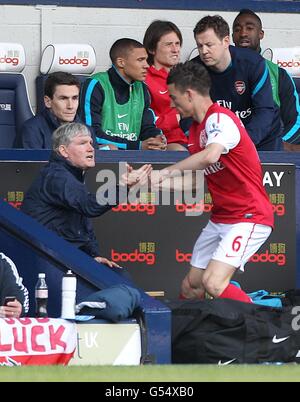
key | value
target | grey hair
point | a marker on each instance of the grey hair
(65, 133)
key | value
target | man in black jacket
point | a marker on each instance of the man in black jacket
(240, 82)
(11, 285)
(59, 199)
(61, 103)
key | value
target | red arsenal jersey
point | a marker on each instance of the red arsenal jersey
(235, 181)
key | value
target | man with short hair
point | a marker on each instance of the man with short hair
(247, 32)
(242, 217)
(163, 42)
(61, 98)
(240, 82)
(116, 102)
(59, 199)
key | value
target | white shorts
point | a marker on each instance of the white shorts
(232, 244)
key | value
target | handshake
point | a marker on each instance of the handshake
(142, 176)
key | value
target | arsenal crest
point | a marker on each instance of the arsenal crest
(240, 87)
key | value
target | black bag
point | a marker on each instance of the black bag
(291, 297)
(225, 331)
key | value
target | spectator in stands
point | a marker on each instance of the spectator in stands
(11, 286)
(59, 199)
(242, 216)
(247, 32)
(116, 102)
(61, 103)
(240, 82)
(163, 42)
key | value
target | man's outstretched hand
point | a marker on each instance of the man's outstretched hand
(133, 177)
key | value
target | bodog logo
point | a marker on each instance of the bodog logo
(9, 60)
(278, 209)
(278, 259)
(74, 60)
(291, 63)
(183, 257)
(135, 256)
(149, 209)
(198, 207)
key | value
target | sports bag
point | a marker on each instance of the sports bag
(225, 331)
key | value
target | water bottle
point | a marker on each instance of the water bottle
(69, 283)
(41, 296)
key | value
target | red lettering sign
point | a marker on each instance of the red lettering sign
(73, 61)
(9, 60)
(183, 257)
(278, 209)
(149, 209)
(198, 207)
(135, 256)
(290, 64)
(279, 259)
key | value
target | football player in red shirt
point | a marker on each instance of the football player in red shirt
(163, 41)
(242, 217)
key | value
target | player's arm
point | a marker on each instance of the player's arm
(222, 136)
(263, 107)
(181, 175)
(148, 125)
(199, 161)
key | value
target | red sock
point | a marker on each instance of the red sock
(235, 293)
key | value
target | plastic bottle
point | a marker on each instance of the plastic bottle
(41, 296)
(69, 283)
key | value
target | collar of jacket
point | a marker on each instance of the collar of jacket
(53, 121)
(117, 79)
(75, 171)
(162, 72)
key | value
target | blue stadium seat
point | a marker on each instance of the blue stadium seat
(77, 59)
(15, 107)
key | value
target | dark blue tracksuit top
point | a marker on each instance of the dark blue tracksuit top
(60, 200)
(245, 88)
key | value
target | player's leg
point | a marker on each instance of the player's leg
(238, 243)
(216, 281)
(192, 286)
